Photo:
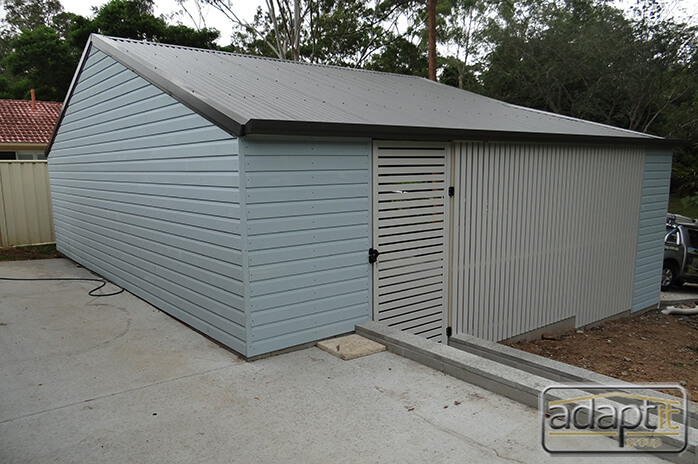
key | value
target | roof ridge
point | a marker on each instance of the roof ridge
(256, 57)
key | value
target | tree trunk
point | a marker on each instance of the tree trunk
(431, 10)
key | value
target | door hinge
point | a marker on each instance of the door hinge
(372, 255)
(451, 191)
(449, 331)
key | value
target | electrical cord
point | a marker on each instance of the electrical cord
(91, 292)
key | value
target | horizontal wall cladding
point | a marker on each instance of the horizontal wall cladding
(146, 193)
(543, 233)
(656, 177)
(308, 229)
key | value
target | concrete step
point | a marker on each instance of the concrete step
(499, 369)
(555, 371)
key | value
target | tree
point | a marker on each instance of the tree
(400, 56)
(556, 56)
(278, 29)
(30, 14)
(41, 60)
(431, 12)
(134, 19)
(324, 31)
(465, 22)
(44, 53)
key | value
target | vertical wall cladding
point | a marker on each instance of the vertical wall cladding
(308, 232)
(542, 233)
(146, 193)
(652, 227)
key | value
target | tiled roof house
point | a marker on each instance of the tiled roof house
(26, 127)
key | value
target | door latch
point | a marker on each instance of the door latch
(372, 255)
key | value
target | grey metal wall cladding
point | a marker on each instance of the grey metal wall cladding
(542, 233)
(146, 193)
(652, 219)
(307, 227)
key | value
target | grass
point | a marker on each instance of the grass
(29, 252)
(676, 207)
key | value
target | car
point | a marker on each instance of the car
(680, 251)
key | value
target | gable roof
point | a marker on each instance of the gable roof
(21, 123)
(247, 95)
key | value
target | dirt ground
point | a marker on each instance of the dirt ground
(646, 347)
(29, 252)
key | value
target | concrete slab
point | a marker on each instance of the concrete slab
(350, 347)
(686, 292)
(114, 380)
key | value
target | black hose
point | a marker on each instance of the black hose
(91, 292)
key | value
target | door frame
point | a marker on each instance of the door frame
(450, 152)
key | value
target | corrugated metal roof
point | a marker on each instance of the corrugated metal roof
(253, 95)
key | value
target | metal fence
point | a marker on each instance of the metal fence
(25, 204)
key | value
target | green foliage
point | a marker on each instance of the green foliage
(41, 44)
(31, 14)
(402, 57)
(678, 206)
(324, 31)
(584, 58)
(41, 60)
(456, 73)
(690, 202)
(132, 19)
(183, 35)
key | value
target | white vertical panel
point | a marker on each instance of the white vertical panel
(411, 222)
(543, 233)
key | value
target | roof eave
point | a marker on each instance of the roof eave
(68, 95)
(314, 129)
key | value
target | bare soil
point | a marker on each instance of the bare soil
(29, 252)
(646, 347)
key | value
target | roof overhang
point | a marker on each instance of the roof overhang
(236, 125)
(327, 129)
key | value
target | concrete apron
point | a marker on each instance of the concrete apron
(503, 370)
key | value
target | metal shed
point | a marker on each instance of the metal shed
(246, 196)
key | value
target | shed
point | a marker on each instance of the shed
(271, 203)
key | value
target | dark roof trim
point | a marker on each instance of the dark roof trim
(68, 96)
(328, 129)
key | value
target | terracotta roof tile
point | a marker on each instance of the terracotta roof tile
(19, 123)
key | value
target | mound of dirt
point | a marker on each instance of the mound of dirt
(646, 347)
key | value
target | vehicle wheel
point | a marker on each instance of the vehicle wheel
(668, 275)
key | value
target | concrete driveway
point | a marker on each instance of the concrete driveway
(114, 380)
(682, 294)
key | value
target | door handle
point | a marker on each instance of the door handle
(373, 255)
